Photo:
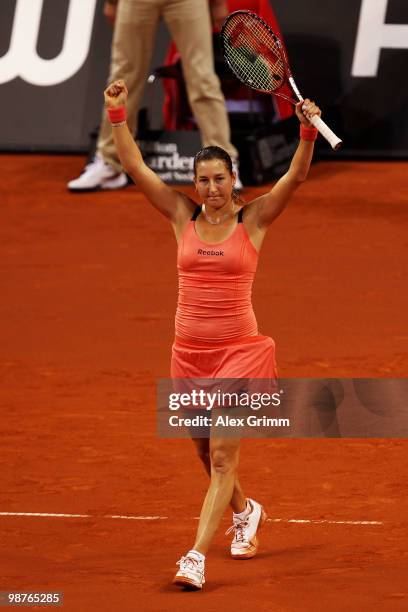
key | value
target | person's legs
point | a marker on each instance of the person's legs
(132, 47)
(238, 501)
(224, 456)
(189, 25)
(248, 515)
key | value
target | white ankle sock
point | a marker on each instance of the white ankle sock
(195, 553)
(242, 515)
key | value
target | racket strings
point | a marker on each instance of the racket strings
(253, 53)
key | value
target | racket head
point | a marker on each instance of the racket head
(253, 52)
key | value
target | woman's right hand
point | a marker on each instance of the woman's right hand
(116, 94)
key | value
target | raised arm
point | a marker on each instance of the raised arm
(262, 211)
(174, 205)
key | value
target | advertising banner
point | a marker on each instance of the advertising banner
(54, 61)
(350, 56)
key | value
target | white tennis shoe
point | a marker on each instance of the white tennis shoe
(98, 175)
(191, 572)
(245, 543)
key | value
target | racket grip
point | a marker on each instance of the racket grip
(325, 131)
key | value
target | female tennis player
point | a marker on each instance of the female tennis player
(216, 330)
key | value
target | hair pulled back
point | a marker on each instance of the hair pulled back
(214, 152)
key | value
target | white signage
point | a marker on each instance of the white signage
(22, 59)
(373, 35)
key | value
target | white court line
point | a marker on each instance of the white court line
(105, 516)
(137, 518)
(45, 514)
(325, 521)
(163, 518)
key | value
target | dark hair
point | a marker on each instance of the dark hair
(214, 152)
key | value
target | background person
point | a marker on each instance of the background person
(189, 23)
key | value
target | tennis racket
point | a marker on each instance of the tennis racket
(258, 59)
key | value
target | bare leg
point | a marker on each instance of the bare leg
(224, 455)
(238, 501)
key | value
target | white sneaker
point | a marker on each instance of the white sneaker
(98, 175)
(191, 572)
(245, 543)
(238, 183)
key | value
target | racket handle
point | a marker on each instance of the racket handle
(325, 131)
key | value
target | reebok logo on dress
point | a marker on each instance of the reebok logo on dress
(202, 252)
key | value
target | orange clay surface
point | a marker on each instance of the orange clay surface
(88, 294)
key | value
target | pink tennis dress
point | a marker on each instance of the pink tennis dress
(216, 329)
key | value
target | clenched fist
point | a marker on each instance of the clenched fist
(116, 94)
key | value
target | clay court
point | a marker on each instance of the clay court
(88, 296)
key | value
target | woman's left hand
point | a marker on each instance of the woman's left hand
(305, 110)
